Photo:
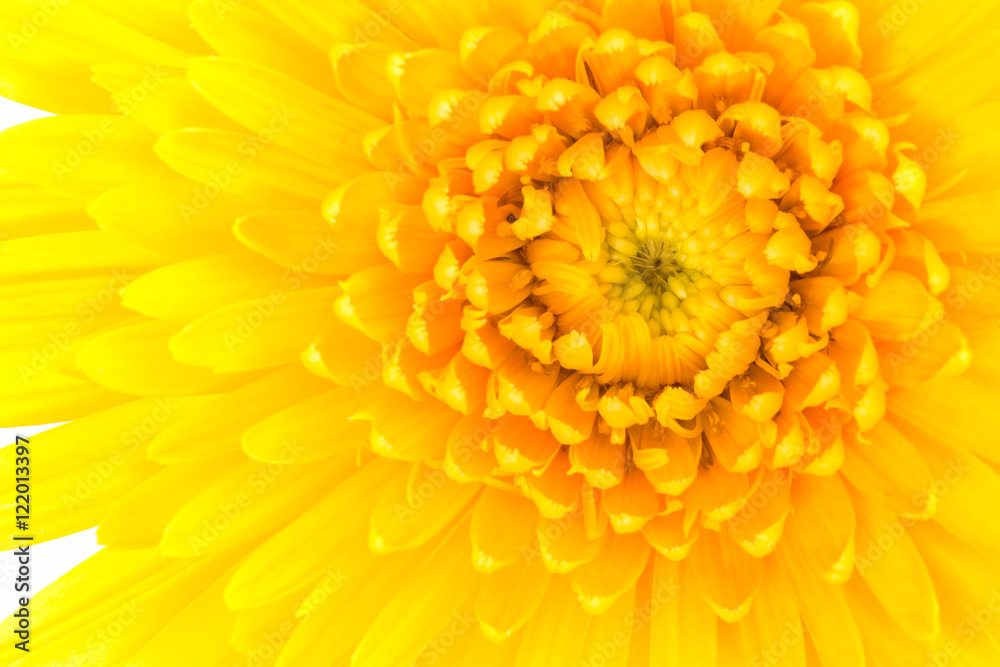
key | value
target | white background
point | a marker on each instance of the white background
(49, 560)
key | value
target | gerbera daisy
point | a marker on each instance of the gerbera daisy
(507, 332)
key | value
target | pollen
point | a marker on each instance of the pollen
(655, 264)
(651, 269)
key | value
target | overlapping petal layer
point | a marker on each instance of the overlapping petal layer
(606, 332)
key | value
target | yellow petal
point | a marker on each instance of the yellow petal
(248, 164)
(553, 489)
(411, 512)
(405, 429)
(613, 571)
(966, 488)
(965, 419)
(136, 359)
(213, 282)
(406, 623)
(759, 525)
(258, 580)
(886, 467)
(822, 526)
(727, 576)
(896, 307)
(348, 598)
(631, 504)
(684, 616)
(519, 446)
(93, 251)
(158, 100)
(315, 428)
(279, 108)
(672, 535)
(510, 597)
(772, 632)
(145, 603)
(418, 76)
(564, 542)
(84, 466)
(172, 217)
(49, 54)
(938, 351)
(81, 156)
(266, 332)
(360, 77)
(892, 567)
(960, 78)
(249, 501)
(302, 242)
(206, 618)
(503, 524)
(824, 610)
(324, 26)
(468, 458)
(610, 635)
(378, 301)
(222, 421)
(245, 33)
(140, 516)
(555, 636)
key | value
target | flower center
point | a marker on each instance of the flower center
(679, 239)
(655, 264)
(652, 268)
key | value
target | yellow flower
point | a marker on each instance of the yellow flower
(529, 333)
